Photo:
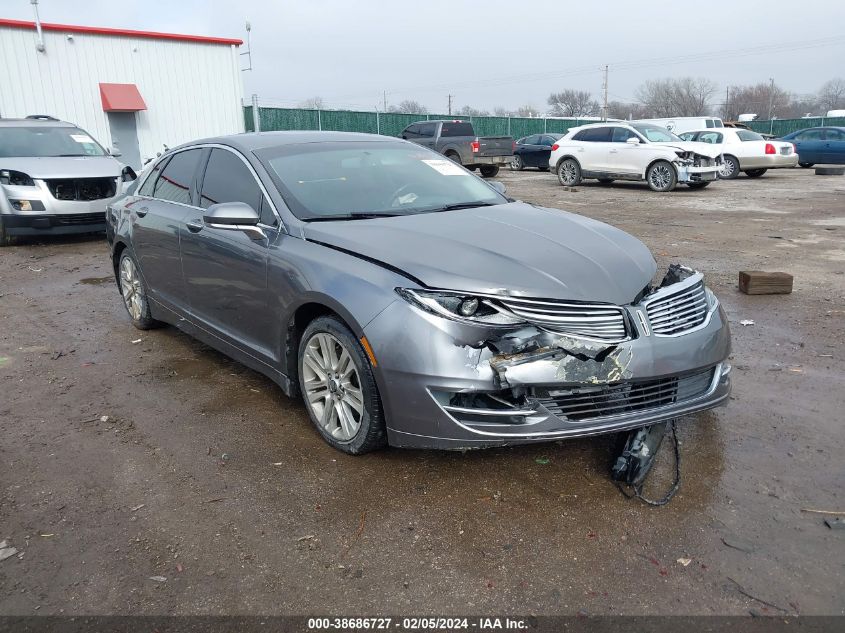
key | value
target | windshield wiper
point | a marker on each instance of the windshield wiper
(459, 205)
(354, 215)
(67, 155)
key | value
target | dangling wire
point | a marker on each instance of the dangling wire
(637, 491)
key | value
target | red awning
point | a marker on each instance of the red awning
(121, 98)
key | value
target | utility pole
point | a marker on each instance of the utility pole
(771, 96)
(450, 105)
(604, 109)
(727, 111)
(385, 100)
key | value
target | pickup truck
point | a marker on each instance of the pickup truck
(457, 140)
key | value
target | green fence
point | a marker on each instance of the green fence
(392, 124)
(779, 127)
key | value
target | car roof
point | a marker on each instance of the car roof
(251, 141)
(34, 123)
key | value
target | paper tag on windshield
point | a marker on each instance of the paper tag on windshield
(82, 138)
(446, 167)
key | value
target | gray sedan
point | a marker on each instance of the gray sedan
(408, 301)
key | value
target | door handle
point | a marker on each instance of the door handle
(194, 226)
(142, 211)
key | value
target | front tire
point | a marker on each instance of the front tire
(698, 185)
(569, 172)
(806, 165)
(488, 171)
(755, 173)
(339, 389)
(516, 164)
(661, 177)
(730, 168)
(134, 293)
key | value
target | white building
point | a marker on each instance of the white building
(135, 91)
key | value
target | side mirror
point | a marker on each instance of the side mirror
(113, 151)
(498, 186)
(234, 216)
(633, 140)
(128, 174)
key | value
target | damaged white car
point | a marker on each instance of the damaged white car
(639, 151)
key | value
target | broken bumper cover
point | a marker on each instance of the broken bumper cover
(447, 385)
(697, 174)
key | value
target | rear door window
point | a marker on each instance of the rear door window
(228, 179)
(175, 182)
(810, 135)
(458, 128)
(710, 137)
(622, 134)
(834, 135)
(594, 135)
(531, 140)
(427, 130)
(748, 135)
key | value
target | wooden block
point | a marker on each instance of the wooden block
(757, 282)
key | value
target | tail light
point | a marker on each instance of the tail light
(794, 148)
(770, 149)
(555, 147)
(513, 146)
(475, 146)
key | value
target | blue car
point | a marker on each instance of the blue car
(824, 145)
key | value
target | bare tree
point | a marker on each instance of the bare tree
(572, 103)
(502, 112)
(527, 111)
(756, 100)
(621, 110)
(470, 111)
(676, 97)
(832, 95)
(408, 106)
(314, 103)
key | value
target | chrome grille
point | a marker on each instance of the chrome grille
(585, 403)
(679, 311)
(595, 321)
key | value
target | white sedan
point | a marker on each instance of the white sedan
(640, 151)
(746, 151)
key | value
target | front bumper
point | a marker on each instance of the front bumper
(64, 224)
(423, 359)
(697, 174)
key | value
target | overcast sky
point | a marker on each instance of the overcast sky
(488, 53)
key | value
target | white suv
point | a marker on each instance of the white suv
(639, 151)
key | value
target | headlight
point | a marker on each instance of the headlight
(19, 179)
(458, 307)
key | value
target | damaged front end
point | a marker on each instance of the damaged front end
(695, 167)
(548, 369)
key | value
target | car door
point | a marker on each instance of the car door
(528, 150)
(626, 158)
(809, 145)
(165, 200)
(427, 132)
(545, 150)
(225, 270)
(592, 149)
(834, 146)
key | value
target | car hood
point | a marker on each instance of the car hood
(64, 166)
(511, 249)
(710, 150)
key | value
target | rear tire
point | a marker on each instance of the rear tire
(806, 165)
(454, 157)
(134, 292)
(730, 168)
(755, 173)
(516, 164)
(339, 389)
(488, 171)
(569, 172)
(661, 176)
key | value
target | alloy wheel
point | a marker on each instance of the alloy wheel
(660, 176)
(568, 172)
(332, 386)
(132, 289)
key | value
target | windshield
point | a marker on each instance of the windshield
(655, 133)
(337, 180)
(43, 140)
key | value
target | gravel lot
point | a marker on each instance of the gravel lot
(206, 475)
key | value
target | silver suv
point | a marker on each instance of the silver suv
(54, 178)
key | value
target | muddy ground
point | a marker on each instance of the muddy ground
(205, 475)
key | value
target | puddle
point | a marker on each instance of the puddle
(830, 222)
(96, 281)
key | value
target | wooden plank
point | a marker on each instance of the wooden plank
(758, 282)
